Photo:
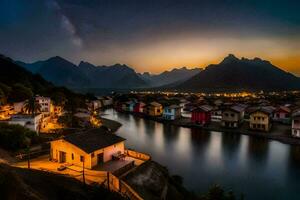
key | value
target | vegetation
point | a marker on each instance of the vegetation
(31, 107)
(14, 137)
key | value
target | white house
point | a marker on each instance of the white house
(45, 103)
(93, 147)
(32, 123)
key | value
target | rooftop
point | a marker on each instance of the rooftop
(93, 139)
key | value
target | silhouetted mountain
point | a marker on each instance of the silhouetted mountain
(241, 74)
(64, 73)
(170, 77)
(115, 76)
(59, 71)
(12, 73)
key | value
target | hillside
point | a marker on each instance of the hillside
(170, 77)
(64, 73)
(59, 71)
(17, 184)
(234, 74)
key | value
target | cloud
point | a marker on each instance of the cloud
(66, 23)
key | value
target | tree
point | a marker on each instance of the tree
(32, 107)
(20, 93)
(58, 98)
(71, 107)
(2, 97)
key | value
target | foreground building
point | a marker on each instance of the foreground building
(260, 119)
(202, 115)
(172, 112)
(233, 116)
(94, 147)
(296, 124)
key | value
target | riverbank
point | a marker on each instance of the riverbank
(279, 132)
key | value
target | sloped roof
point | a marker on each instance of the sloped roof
(205, 108)
(154, 103)
(94, 139)
(283, 108)
(265, 110)
(173, 106)
(238, 108)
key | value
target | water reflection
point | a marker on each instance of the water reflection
(259, 168)
(258, 149)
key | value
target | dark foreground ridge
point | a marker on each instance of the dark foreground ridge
(17, 184)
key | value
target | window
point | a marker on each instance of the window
(232, 115)
(93, 155)
(258, 118)
(262, 118)
(226, 114)
(72, 156)
(81, 158)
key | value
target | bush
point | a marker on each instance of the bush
(12, 137)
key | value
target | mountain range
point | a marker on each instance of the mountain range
(231, 74)
(234, 74)
(62, 72)
(175, 76)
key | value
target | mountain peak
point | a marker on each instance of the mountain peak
(57, 59)
(230, 58)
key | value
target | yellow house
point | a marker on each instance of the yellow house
(260, 119)
(93, 147)
(154, 109)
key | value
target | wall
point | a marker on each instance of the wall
(62, 145)
(90, 162)
(235, 118)
(107, 153)
(254, 120)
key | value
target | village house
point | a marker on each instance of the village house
(153, 109)
(56, 110)
(93, 147)
(132, 105)
(296, 124)
(233, 116)
(260, 119)
(45, 103)
(33, 123)
(94, 105)
(6, 111)
(18, 107)
(106, 101)
(118, 106)
(202, 115)
(172, 112)
(282, 114)
(216, 114)
(139, 107)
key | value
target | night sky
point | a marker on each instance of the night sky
(151, 35)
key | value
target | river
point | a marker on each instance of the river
(255, 167)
